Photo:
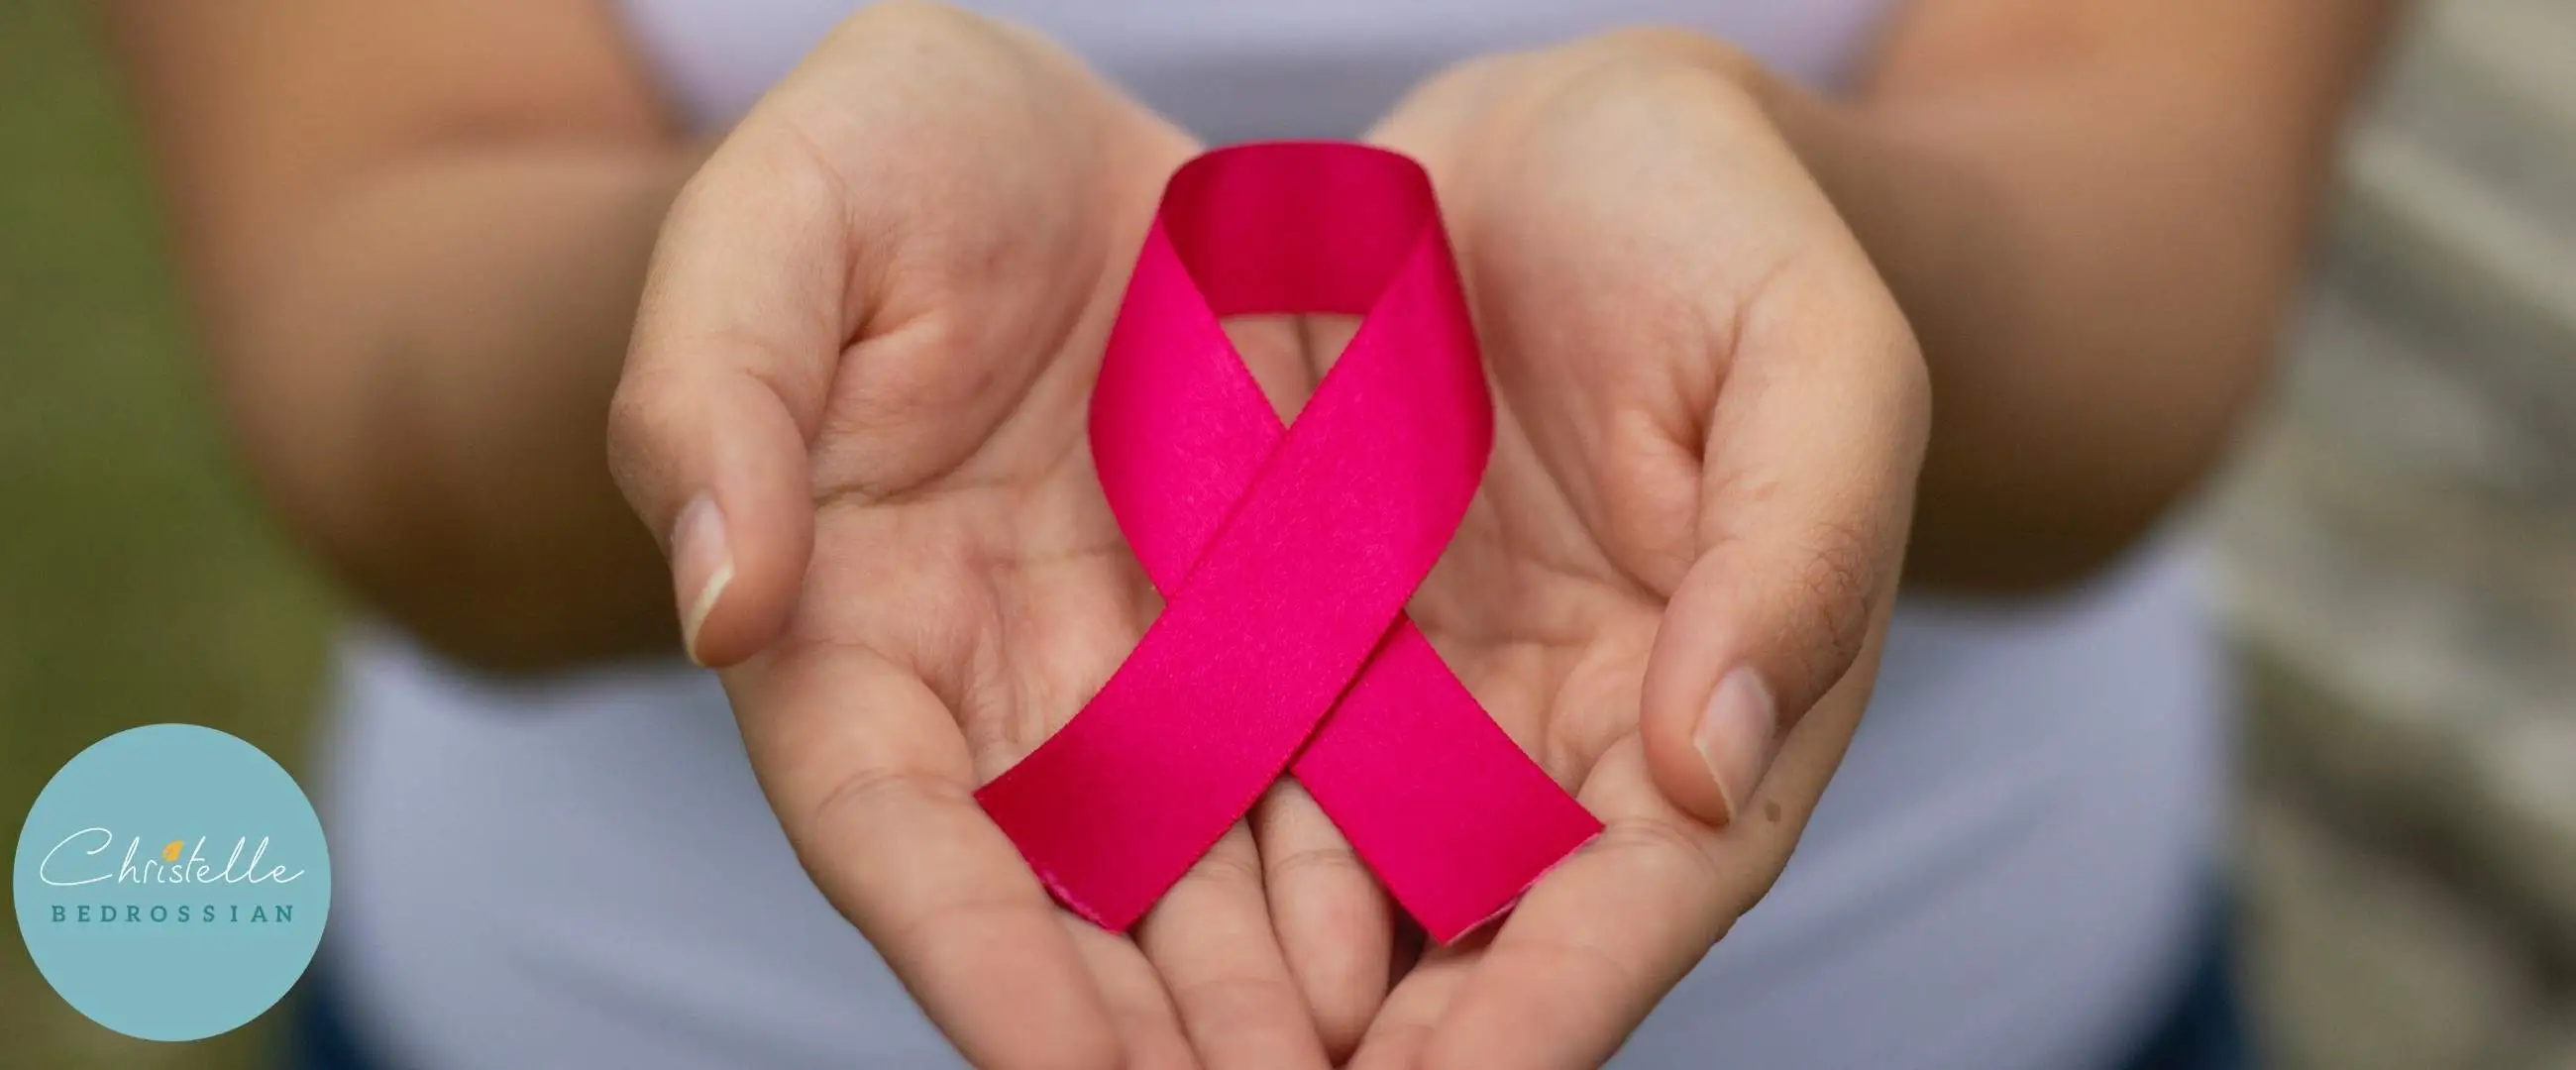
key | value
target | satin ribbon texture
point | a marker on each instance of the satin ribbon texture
(1286, 556)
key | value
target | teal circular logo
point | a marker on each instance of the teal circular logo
(172, 882)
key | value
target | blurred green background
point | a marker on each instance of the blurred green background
(138, 582)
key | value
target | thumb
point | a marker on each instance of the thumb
(727, 371)
(1754, 636)
(1807, 494)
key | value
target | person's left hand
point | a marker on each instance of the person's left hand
(1673, 585)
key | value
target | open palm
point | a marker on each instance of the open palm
(1672, 586)
(855, 410)
(855, 403)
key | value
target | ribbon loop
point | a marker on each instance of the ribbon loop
(1286, 556)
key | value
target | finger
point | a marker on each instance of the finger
(740, 327)
(873, 786)
(1149, 1029)
(1402, 1030)
(1603, 936)
(1273, 348)
(1210, 939)
(1336, 926)
(1410, 944)
(1807, 490)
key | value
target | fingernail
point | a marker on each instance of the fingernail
(701, 566)
(1735, 736)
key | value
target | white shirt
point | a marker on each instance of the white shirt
(2005, 875)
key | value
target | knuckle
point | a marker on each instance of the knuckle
(635, 429)
(1908, 386)
(634, 409)
(1911, 375)
(1874, 347)
(1334, 863)
(1836, 581)
(1231, 871)
(1645, 846)
(628, 423)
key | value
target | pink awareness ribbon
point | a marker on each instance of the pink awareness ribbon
(1286, 555)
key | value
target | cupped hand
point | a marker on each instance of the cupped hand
(854, 409)
(1673, 586)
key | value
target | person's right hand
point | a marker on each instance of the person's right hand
(854, 412)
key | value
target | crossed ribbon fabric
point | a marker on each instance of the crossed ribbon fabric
(1286, 555)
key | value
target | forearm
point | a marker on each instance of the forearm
(2090, 347)
(420, 377)
(2095, 255)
